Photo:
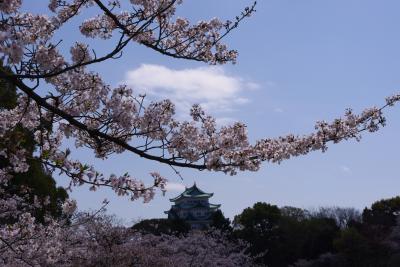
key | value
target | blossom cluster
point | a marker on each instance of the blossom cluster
(110, 120)
(96, 239)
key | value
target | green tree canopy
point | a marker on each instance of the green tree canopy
(37, 180)
(162, 226)
(382, 212)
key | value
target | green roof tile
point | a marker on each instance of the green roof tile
(192, 192)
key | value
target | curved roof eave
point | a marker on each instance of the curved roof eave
(206, 195)
(192, 192)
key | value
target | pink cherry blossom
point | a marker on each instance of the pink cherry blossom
(111, 120)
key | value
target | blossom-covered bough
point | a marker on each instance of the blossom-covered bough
(114, 120)
(81, 105)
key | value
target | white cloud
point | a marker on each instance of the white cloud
(175, 186)
(278, 110)
(345, 169)
(209, 86)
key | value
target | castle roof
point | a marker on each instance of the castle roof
(197, 205)
(192, 192)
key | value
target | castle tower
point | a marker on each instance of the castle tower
(193, 207)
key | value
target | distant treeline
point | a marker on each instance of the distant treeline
(290, 236)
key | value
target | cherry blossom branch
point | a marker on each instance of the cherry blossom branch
(92, 132)
(269, 149)
(80, 105)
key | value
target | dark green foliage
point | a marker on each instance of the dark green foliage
(219, 221)
(8, 98)
(162, 226)
(354, 247)
(319, 234)
(357, 248)
(8, 94)
(331, 236)
(344, 217)
(324, 260)
(36, 180)
(259, 226)
(282, 236)
(261, 219)
(294, 213)
(290, 236)
(41, 185)
(382, 212)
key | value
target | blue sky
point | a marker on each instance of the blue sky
(300, 61)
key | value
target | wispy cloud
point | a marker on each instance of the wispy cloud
(210, 86)
(345, 169)
(175, 186)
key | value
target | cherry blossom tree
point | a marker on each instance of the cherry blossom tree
(97, 240)
(108, 120)
(111, 120)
